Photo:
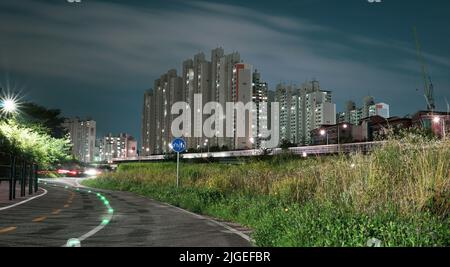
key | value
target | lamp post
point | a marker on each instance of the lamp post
(344, 126)
(323, 133)
(437, 120)
(252, 141)
(207, 144)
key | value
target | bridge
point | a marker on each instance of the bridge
(304, 151)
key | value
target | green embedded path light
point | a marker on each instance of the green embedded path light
(76, 242)
(106, 221)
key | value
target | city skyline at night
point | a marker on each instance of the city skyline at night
(96, 58)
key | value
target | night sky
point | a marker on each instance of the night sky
(96, 58)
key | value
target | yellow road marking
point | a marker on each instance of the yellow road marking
(56, 211)
(7, 229)
(40, 219)
(70, 200)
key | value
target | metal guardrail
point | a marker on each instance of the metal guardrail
(301, 151)
(14, 169)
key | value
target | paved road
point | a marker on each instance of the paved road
(119, 219)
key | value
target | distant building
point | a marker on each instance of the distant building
(283, 95)
(437, 122)
(337, 134)
(148, 138)
(225, 78)
(354, 115)
(242, 91)
(368, 101)
(224, 89)
(319, 111)
(122, 146)
(377, 127)
(370, 129)
(260, 98)
(380, 109)
(167, 90)
(82, 135)
(303, 110)
(97, 149)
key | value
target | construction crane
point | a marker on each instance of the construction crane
(429, 88)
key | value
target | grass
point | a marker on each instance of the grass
(398, 194)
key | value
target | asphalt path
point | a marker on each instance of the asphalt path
(66, 214)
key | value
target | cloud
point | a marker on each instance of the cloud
(107, 46)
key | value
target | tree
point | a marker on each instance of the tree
(32, 143)
(49, 120)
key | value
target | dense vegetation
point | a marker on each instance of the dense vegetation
(399, 194)
(35, 136)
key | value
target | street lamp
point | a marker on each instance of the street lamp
(344, 126)
(252, 140)
(8, 105)
(437, 120)
(207, 144)
(323, 133)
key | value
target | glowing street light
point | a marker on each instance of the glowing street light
(323, 133)
(437, 120)
(9, 102)
(8, 105)
(345, 127)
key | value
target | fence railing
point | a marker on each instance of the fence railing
(18, 170)
(305, 150)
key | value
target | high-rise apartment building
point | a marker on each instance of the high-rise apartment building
(223, 78)
(380, 109)
(82, 135)
(148, 138)
(122, 146)
(367, 103)
(242, 91)
(224, 92)
(354, 115)
(284, 94)
(167, 90)
(303, 110)
(196, 80)
(261, 110)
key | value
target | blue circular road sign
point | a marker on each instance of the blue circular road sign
(179, 145)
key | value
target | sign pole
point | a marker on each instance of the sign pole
(178, 145)
(178, 169)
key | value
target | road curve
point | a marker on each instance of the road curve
(66, 212)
